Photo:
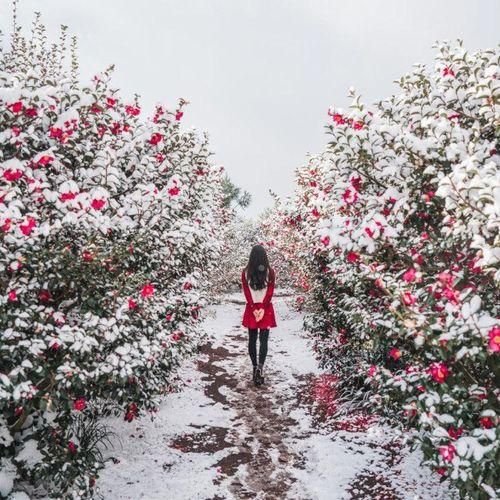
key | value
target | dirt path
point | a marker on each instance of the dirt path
(223, 438)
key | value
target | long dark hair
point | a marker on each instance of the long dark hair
(258, 269)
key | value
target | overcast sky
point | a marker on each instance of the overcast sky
(260, 74)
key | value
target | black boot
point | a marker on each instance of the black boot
(254, 378)
(260, 374)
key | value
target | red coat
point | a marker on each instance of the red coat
(268, 320)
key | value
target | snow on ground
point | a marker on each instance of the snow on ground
(223, 438)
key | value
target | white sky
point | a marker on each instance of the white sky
(260, 74)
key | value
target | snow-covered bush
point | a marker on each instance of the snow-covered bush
(398, 221)
(109, 225)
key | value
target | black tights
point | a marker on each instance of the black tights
(252, 345)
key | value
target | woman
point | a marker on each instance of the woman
(258, 286)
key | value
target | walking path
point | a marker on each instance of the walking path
(223, 438)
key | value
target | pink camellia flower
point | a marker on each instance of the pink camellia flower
(174, 191)
(494, 339)
(16, 131)
(72, 447)
(12, 175)
(395, 353)
(325, 240)
(28, 226)
(410, 275)
(98, 203)
(439, 372)
(12, 296)
(147, 290)
(352, 257)
(447, 452)
(454, 432)
(155, 139)
(132, 304)
(79, 404)
(67, 196)
(486, 422)
(408, 299)
(16, 107)
(373, 369)
(445, 278)
(179, 115)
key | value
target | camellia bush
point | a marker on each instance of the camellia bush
(397, 223)
(109, 225)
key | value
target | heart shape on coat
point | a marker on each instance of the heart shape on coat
(259, 314)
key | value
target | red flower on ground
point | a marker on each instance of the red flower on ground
(79, 404)
(174, 191)
(132, 304)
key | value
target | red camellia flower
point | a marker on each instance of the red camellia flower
(16, 107)
(176, 336)
(31, 112)
(439, 372)
(110, 102)
(56, 133)
(12, 175)
(494, 339)
(357, 125)
(12, 296)
(147, 290)
(338, 119)
(79, 404)
(98, 204)
(187, 285)
(486, 422)
(395, 353)
(44, 295)
(447, 452)
(67, 196)
(179, 115)
(352, 257)
(455, 433)
(72, 447)
(28, 226)
(132, 110)
(448, 72)
(87, 256)
(132, 304)
(441, 471)
(131, 413)
(6, 225)
(325, 240)
(155, 139)
(174, 191)
(45, 160)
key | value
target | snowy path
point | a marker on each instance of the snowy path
(222, 438)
